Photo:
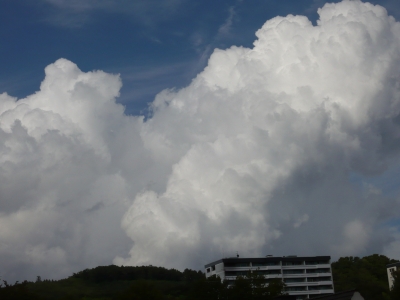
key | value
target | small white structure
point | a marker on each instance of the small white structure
(390, 269)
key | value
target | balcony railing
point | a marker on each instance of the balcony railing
(294, 275)
(266, 267)
(237, 268)
(314, 292)
(266, 277)
(318, 282)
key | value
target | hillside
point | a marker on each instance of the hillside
(367, 275)
(108, 283)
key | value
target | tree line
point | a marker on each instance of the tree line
(145, 283)
(367, 275)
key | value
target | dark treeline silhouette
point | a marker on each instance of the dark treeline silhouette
(252, 286)
(113, 273)
(367, 275)
(143, 283)
(108, 283)
(17, 291)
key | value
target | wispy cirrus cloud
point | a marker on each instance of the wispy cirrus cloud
(76, 13)
(226, 27)
(143, 83)
(204, 46)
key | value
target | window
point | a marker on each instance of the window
(316, 279)
(292, 263)
(325, 278)
(320, 287)
(236, 265)
(319, 262)
(235, 273)
(290, 280)
(268, 272)
(208, 270)
(324, 270)
(293, 271)
(295, 288)
(265, 264)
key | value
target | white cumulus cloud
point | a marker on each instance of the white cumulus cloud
(67, 153)
(267, 137)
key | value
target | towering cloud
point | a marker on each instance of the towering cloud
(268, 150)
(264, 140)
(70, 163)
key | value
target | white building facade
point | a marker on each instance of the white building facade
(305, 277)
(390, 269)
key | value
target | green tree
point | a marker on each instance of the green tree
(241, 289)
(18, 291)
(141, 290)
(275, 288)
(367, 275)
(191, 275)
(254, 286)
(211, 288)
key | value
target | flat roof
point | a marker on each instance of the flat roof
(268, 259)
(393, 265)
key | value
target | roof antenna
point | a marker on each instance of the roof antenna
(237, 254)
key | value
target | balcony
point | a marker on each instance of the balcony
(290, 284)
(237, 268)
(327, 266)
(266, 267)
(294, 275)
(293, 267)
(307, 267)
(316, 292)
(273, 276)
(298, 292)
(319, 282)
(324, 271)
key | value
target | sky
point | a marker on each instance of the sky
(176, 132)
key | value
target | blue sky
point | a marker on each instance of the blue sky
(153, 44)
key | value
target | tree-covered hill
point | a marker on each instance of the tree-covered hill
(367, 275)
(108, 283)
(115, 273)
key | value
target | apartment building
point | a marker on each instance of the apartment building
(305, 277)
